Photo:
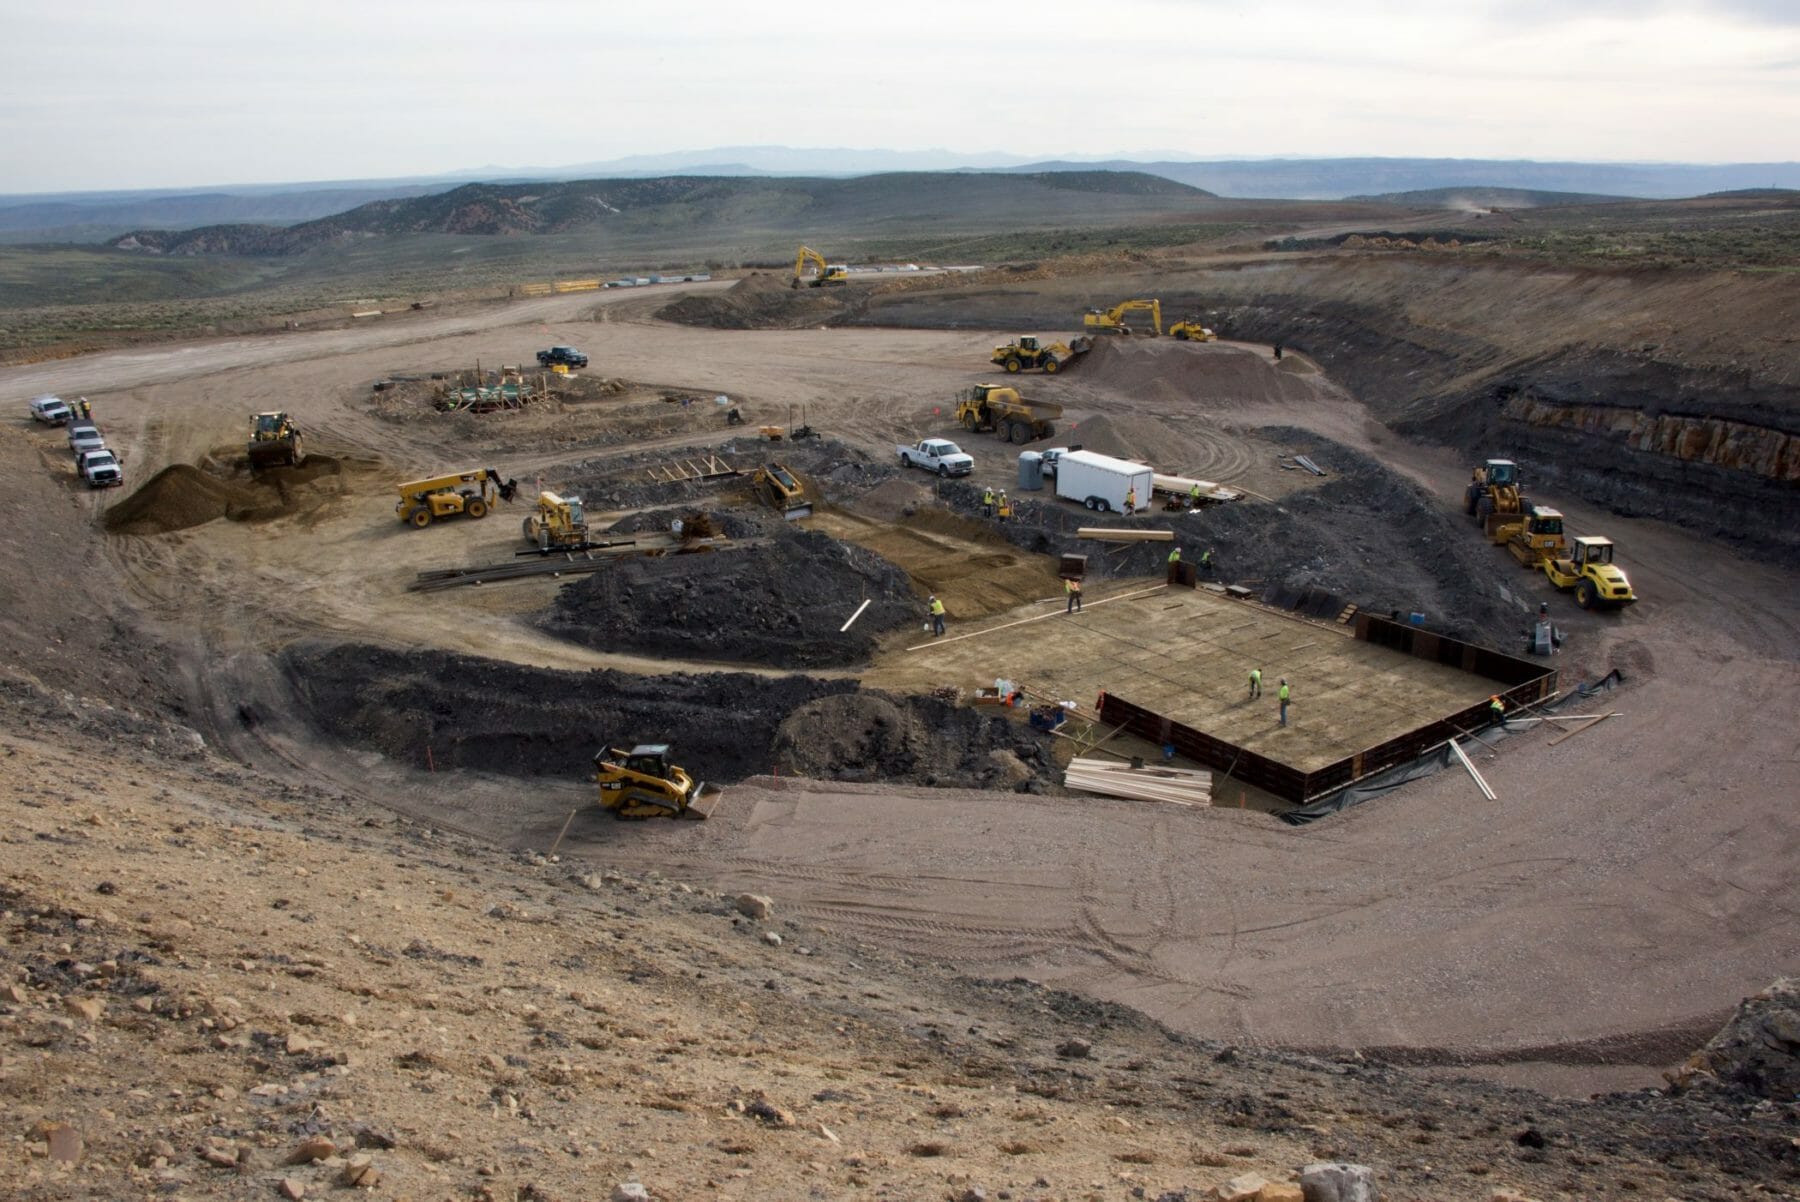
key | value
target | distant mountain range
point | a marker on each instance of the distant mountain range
(96, 216)
(676, 207)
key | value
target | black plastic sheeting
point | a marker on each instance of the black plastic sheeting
(1435, 760)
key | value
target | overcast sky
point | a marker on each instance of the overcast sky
(129, 94)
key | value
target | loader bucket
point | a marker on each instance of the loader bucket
(704, 800)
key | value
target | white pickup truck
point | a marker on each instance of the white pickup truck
(938, 455)
(51, 410)
(101, 469)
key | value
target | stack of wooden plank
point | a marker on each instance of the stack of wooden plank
(1178, 786)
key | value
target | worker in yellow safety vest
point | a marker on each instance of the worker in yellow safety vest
(937, 616)
(987, 503)
(1255, 683)
(1130, 501)
(1281, 695)
(1194, 496)
(1073, 588)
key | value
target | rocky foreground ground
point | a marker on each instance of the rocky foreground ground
(218, 985)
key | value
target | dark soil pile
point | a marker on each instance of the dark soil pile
(829, 469)
(1757, 1052)
(760, 302)
(490, 716)
(1366, 535)
(182, 495)
(871, 736)
(780, 603)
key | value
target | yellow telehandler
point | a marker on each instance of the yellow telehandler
(558, 524)
(1112, 321)
(824, 273)
(470, 493)
(642, 783)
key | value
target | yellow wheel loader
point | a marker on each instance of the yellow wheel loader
(823, 274)
(1029, 353)
(783, 491)
(471, 494)
(557, 524)
(642, 783)
(1590, 571)
(1493, 495)
(275, 440)
(1112, 321)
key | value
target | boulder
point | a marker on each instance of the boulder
(1337, 1183)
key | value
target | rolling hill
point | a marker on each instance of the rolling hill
(676, 204)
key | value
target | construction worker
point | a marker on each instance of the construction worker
(1206, 564)
(937, 616)
(987, 501)
(87, 410)
(1278, 352)
(1174, 565)
(1255, 683)
(1497, 709)
(1194, 496)
(1131, 500)
(1072, 587)
(1005, 511)
(1281, 695)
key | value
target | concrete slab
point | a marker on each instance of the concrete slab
(1187, 654)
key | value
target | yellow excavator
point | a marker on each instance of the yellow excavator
(558, 524)
(642, 783)
(469, 493)
(824, 273)
(275, 439)
(1112, 321)
(782, 490)
(1590, 571)
(1029, 352)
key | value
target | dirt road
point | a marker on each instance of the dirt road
(1629, 882)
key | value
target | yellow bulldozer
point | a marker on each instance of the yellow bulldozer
(275, 440)
(557, 524)
(1189, 329)
(1000, 409)
(471, 494)
(782, 490)
(1112, 321)
(642, 783)
(1031, 353)
(1493, 495)
(823, 274)
(1590, 571)
(1534, 537)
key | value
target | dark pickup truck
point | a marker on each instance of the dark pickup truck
(568, 356)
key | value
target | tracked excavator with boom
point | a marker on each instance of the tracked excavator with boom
(1112, 321)
(824, 274)
(642, 783)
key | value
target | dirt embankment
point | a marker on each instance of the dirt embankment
(486, 715)
(871, 736)
(781, 604)
(761, 301)
(182, 495)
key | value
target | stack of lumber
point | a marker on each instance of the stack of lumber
(1177, 786)
(1125, 534)
(1183, 486)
